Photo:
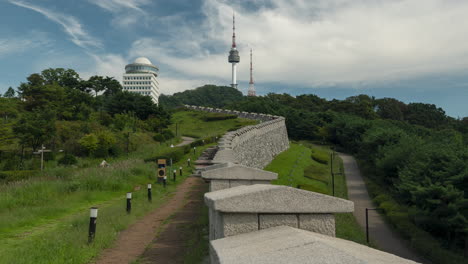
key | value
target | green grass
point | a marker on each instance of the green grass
(198, 245)
(192, 124)
(295, 167)
(45, 219)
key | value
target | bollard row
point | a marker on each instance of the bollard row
(94, 210)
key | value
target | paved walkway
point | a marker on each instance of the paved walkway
(185, 141)
(379, 232)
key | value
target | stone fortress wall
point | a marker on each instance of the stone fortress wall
(251, 221)
(253, 146)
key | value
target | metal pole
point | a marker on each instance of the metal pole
(42, 157)
(93, 212)
(367, 225)
(333, 183)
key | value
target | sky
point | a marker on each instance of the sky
(411, 50)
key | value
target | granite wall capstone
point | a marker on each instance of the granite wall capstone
(253, 146)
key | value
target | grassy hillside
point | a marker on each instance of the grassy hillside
(44, 219)
(297, 168)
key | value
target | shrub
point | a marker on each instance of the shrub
(68, 159)
(8, 176)
(175, 154)
(320, 157)
(167, 134)
(89, 142)
(159, 137)
(217, 117)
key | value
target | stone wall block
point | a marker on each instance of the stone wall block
(216, 185)
(235, 224)
(319, 223)
(272, 220)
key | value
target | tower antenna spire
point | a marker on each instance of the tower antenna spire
(251, 91)
(233, 30)
(251, 68)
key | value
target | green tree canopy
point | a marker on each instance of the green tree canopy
(10, 93)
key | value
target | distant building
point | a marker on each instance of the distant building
(140, 77)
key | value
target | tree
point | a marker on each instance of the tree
(207, 95)
(37, 94)
(98, 84)
(8, 108)
(389, 108)
(63, 77)
(427, 115)
(35, 128)
(10, 93)
(124, 102)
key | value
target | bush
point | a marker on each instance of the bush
(167, 134)
(320, 157)
(8, 176)
(159, 137)
(217, 117)
(68, 159)
(176, 155)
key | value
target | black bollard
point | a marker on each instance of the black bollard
(188, 162)
(92, 223)
(129, 202)
(174, 173)
(149, 193)
(180, 171)
(164, 181)
(194, 148)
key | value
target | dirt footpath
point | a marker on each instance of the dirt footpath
(171, 244)
(385, 238)
(133, 241)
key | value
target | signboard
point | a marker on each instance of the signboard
(161, 169)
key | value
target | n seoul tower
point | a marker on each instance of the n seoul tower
(251, 91)
(234, 54)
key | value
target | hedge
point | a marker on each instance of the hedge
(420, 240)
(16, 175)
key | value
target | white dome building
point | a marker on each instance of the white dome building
(140, 77)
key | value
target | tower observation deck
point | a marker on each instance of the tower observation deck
(234, 57)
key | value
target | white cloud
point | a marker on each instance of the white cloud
(69, 23)
(111, 65)
(126, 12)
(320, 42)
(31, 40)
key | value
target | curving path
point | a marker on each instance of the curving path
(185, 141)
(379, 232)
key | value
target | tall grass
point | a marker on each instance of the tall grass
(45, 219)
